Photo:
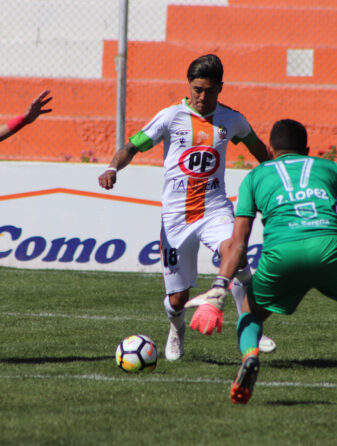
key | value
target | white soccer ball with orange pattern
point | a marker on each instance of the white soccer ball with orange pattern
(137, 353)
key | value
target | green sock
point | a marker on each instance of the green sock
(249, 331)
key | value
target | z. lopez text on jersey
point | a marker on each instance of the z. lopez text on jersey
(303, 195)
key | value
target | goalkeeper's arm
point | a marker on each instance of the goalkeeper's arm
(209, 314)
(233, 256)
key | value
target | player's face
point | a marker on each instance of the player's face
(204, 95)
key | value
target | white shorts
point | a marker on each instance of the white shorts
(180, 246)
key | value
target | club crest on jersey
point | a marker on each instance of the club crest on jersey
(199, 161)
(222, 132)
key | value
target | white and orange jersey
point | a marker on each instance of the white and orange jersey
(194, 157)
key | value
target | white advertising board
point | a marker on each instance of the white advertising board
(55, 216)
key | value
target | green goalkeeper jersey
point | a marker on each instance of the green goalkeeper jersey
(296, 196)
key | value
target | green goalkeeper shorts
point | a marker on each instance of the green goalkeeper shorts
(286, 272)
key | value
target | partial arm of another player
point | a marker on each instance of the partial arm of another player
(209, 313)
(258, 149)
(236, 249)
(34, 110)
(122, 158)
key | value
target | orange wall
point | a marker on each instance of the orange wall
(252, 43)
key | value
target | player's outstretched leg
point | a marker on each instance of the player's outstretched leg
(243, 384)
(174, 348)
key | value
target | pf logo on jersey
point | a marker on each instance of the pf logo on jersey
(199, 161)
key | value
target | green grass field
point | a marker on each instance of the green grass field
(60, 384)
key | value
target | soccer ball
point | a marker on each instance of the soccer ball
(137, 353)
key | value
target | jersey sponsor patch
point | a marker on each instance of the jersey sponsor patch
(181, 185)
(199, 161)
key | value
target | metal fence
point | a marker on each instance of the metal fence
(279, 60)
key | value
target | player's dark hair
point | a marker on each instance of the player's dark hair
(288, 134)
(206, 67)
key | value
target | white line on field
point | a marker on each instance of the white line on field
(91, 317)
(106, 318)
(155, 379)
(80, 316)
(151, 318)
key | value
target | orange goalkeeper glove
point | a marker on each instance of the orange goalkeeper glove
(209, 314)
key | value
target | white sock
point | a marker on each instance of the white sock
(238, 292)
(176, 317)
(239, 286)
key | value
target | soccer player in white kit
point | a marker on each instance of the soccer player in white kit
(195, 208)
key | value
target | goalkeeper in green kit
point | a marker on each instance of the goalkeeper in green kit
(296, 195)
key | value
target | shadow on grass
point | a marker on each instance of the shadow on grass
(309, 363)
(211, 361)
(300, 403)
(277, 364)
(45, 360)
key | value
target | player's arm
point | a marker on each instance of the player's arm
(122, 158)
(236, 248)
(34, 110)
(258, 149)
(248, 137)
(5, 130)
(233, 255)
(141, 141)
